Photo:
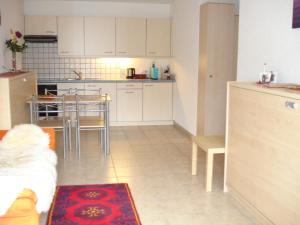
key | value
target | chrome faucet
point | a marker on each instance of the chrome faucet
(78, 74)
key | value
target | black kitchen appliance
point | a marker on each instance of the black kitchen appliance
(130, 73)
(48, 89)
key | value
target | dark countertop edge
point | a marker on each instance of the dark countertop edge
(104, 81)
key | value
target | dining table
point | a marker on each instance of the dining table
(70, 100)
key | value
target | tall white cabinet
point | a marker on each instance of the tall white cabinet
(158, 37)
(130, 37)
(100, 36)
(70, 36)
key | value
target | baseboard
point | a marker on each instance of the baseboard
(183, 130)
(249, 207)
(142, 123)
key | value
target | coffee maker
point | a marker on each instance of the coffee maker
(130, 73)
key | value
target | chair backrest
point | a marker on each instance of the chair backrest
(48, 105)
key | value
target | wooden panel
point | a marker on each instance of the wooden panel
(21, 89)
(131, 37)
(5, 114)
(158, 37)
(216, 65)
(264, 155)
(100, 36)
(70, 36)
(40, 25)
(157, 102)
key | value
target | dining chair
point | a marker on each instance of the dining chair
(43, 106)
(94, 122)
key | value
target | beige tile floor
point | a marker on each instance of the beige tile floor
(155, 162)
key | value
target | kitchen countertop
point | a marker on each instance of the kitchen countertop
(102, 81)
(284, 92)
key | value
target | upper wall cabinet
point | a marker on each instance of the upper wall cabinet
(158, 37)
(130, 37)
(70, 36)
(100, 36)
(40, 25)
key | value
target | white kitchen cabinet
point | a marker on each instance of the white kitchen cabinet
(129, 105)
(106, 88)
(157, 102)
(63, 88)
(159, 37)
(40, 25)
(130, 37)
(70, 36)
(100, 36)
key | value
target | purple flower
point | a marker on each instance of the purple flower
(18, 34)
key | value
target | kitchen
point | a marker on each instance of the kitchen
(163, 72)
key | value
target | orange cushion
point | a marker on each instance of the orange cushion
(50, 131)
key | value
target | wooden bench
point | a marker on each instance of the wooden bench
(211, 145)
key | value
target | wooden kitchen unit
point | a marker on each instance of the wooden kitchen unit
(15, 90)
(263, 154)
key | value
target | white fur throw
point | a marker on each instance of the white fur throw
(27, 162)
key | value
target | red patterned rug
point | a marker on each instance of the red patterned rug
(108, 204)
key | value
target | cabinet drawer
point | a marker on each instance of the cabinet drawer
(130, 85)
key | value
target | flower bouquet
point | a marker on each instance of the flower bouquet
(16, 44)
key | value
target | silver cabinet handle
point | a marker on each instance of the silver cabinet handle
(129, 85)
(63, 52)
(91, 85)
(122, 52)
(49, 32)
(151, 53)
(291, 105)
(149, 85)
(129, 92)
(108, 52)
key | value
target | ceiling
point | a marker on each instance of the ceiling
(135, 1)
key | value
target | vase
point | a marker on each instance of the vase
(14, 61)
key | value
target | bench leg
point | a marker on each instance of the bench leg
(209, 170)
(194, 159)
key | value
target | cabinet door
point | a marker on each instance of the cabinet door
(106, 88)
(100, 35)
(70, 36)
(157, 102)
(129, 106)
(40, 25)
(21, 89)
(130, 37)
(158, 37)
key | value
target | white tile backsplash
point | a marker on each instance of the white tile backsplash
(43, 58)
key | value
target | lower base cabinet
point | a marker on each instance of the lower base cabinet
(129, 105)
(157, 102)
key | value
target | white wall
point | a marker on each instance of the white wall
(11, 18)
(93, 8)
(185, 47)
(266, 36)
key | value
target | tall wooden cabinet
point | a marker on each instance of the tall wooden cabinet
(216, 65)
(15, 90)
